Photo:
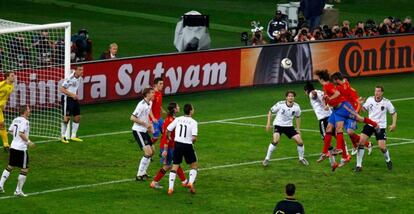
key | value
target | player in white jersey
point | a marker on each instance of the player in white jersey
(317, 102)
(283, 124)
(70, 105)
(377, 107)
(140, 130)
(186, 130)
(19, 156)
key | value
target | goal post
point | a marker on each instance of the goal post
(39, 56)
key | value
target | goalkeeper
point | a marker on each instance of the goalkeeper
(6, 88)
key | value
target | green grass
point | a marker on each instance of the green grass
(147, 26)
(235, 189)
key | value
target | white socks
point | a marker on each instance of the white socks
(192, 175)
(270, 151)
(20, 183)
(387, 156)
(171, 180)
(64, 126)
(143, 166)
(360, 155)
(75, 127)
(4, 177)
(301, 151)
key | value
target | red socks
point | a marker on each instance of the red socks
(159, 175)
(355, 139)
(181, 174)
(327, 142)
(370, 122)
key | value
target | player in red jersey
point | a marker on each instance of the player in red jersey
(342, 110)
(157, 109)
(352, 97)
(167, 148)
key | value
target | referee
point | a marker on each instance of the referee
(290, 205)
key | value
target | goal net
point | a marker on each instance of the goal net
(39, 56)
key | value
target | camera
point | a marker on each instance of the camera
(304, 32)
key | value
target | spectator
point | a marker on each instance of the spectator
(276, 24)
(111, 52)
(312, 10)
(290, 205)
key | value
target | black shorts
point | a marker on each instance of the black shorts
(70, 106)
(19, 158)
(369, 130)
(184, 150)
(323, 123)
(289, 131)
(142, 138)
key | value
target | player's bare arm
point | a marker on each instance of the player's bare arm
(393, 126)
(269, 117)
(68, 93)
(298, 124)
(26, 139)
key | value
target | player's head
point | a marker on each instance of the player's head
(173, 109)
(148, 93)
(290, 189)
(158, 84)
(9, 76)
(308, 87)
(322, 76)
(24, 110)
(290, 95)
(379, 91)
(188, 109)
(337, 77)
(79, 71)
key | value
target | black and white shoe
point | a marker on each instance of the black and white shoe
(389, 165)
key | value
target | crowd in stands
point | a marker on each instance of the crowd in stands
(310, 29)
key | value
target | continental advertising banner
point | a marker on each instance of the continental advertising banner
(365, 57)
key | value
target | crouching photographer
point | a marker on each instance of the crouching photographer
(81, 49)
(303, 35)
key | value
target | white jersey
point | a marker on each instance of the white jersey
(142, 112)
(185, 128)
(72, 83)
(377, 111)
(19, 124)
(285, 114)
(318, 105)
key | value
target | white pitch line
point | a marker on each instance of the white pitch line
(201, 169)
(205, 122)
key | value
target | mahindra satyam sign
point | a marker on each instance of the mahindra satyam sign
(365, 57)
(182, 73)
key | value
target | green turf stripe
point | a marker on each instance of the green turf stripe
(152, 17)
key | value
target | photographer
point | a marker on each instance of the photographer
(326, 32)
(303, 35)
(81, 49)
(336, 32)
(43, 48)
(18, 52)
(317, 34)
(371, 28)
(276, 24)
(406, 26)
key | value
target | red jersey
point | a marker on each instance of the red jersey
(350, 94)
(329, 90)
(164, 139)
(157, 104)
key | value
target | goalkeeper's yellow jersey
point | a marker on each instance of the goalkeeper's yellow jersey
(5, 91)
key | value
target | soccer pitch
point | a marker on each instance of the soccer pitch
(97, 175)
